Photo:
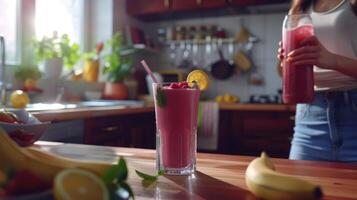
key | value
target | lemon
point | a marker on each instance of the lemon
(19, 99)
(30, 83)
(200, 78)
(73, 184)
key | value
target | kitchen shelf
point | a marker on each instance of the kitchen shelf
(139, 48)
(218, 41)
(202, 42)
(144, 47)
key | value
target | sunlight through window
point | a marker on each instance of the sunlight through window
(63, 16)
(8, 29)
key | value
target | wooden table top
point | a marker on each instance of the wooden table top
(217, 177)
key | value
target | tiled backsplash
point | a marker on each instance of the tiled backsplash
(266, 27)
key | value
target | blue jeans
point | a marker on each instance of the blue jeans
(326, 129)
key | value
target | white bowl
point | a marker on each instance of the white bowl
(28, 132)
(93, 95)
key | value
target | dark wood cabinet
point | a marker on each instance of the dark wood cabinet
(251, 132)
(164, 8)
(253, 2)
(131, 130)
(189, 5)
(243, 132)
(145, 7)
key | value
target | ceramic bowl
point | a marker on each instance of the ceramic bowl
(28, 132)
(93, 95)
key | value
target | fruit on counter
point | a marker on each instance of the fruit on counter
(24, 182)
(198, 77)
(41, 164)
(262, 180)
(30, 83)
(9, 117)
(227, 98)
(79, 184)
(19, 99)
(22, 138)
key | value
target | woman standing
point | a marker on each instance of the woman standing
(326, 129)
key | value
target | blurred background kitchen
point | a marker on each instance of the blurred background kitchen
(67, 54)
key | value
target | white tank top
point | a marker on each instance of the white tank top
(337, 31)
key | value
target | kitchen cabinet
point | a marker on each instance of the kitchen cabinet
(70, 131)
(144, 7)
(157, 9)
(251, 132)
(252, 2)
(131, 130)
(186, 5)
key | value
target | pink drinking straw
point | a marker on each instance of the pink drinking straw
(147, 69)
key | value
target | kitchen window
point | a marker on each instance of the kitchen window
(10, 30)
(63, 16)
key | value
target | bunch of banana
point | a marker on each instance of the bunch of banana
(42, 164)
(262, 180)
(227, 98)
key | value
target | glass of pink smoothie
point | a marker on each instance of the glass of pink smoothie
(176, 107)
(298, 81)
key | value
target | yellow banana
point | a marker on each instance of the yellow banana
(262, 180)
(43, 165)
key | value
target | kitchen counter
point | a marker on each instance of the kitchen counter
(257, 107)
(217, 177)
(90, 112)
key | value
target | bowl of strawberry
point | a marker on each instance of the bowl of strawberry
(22, 127)
(24, 185)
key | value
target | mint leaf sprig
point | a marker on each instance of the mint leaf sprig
(115, 179)
(160, 97)
(148, 177)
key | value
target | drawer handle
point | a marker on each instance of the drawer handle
(199, 2)
(292, 118)
(167, 3)
(110, 128)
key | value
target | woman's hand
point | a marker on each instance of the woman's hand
(280, 55)
(312, 52)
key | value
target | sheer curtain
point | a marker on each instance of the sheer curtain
(9, 29)
(63, 16)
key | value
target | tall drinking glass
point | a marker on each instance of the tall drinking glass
(176, 124)
(298, 81)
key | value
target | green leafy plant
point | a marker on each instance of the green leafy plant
(57, 47)
(117, 65)
(94, 54)
(27, 72)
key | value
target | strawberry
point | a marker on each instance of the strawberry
(3, 193)
(22, 138)
(174, 85)
(183, 85)
(25, 182)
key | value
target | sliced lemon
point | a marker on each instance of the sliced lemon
(200, 78)
(73, 184)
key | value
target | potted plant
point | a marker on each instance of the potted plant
(28, 76)
(91, 64)
(117, 67)
(55, 51)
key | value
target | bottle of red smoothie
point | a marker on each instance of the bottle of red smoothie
(298, 81)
